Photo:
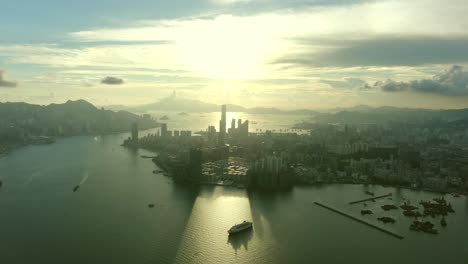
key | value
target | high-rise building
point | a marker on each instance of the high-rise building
(195, 165)
(186, 133)
(233, 124)
(163, 129)
(239, 123)
(211, 133)
(222, 125)
(135, 132)
(244, 130)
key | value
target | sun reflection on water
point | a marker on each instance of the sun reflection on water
(205, 239)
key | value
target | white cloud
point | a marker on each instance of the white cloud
(230, 46)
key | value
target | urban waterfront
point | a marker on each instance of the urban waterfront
(258, 122)
(108, 219)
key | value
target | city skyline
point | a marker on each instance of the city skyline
(214, 131)
(287, 54)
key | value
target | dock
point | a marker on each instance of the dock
(372, 198)
(359, 220)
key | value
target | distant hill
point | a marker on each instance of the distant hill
(385, 114)
(174, 103)
(71, 118)
(276, 111)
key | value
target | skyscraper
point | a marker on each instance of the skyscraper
(135, 132)
(163, 129)
(222, 125)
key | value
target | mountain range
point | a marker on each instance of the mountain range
(441, 118)
(173, 103)
(19, 120)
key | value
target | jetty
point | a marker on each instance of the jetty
(372, 198)
(359, 220)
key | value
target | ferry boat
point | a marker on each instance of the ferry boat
(246, 225)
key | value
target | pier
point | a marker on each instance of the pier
(359, 220)
(372, 198)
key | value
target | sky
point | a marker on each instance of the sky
(290, 54)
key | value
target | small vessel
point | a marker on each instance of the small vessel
(386, 219)
(366, 212)
(387, 207)
(150, 205)
(370, 193)
(147, 157)
(443, 222)
(76, 188)
(246, 225)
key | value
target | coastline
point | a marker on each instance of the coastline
(165, 167)
(46, 140)
(41, 140)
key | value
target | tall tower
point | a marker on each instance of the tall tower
(135, 132)
(163, 129)
(222, 125)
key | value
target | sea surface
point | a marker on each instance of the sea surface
(107, 220)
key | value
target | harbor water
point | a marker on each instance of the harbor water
(107, 220)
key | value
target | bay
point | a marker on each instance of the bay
(107, 220)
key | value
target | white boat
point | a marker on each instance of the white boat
(246, 225)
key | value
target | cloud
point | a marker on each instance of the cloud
(347, 83)
(5, 83)
(452, 82)
(379, 51)
(112, 80)
(242, 46)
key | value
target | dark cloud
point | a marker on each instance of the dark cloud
(347, 83)
(452, 82)
(383, 51)
(5, 83)
(112, 80)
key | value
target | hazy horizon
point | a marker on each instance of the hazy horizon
(132, 108)
(266, 53)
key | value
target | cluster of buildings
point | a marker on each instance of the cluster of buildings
(418, 157)
(411, 156)
(213, 157)
(236, 135)
(270, 172)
